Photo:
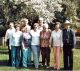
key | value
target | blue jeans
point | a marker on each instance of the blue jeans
(15, 54)
(29, 56)
(25, 56)
(36, 54)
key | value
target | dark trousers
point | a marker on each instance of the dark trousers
(45, 51)
(68, 57)
(9, 52)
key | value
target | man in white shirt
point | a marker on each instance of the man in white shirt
(40, 22)
(7, 39)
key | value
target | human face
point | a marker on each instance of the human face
(11, 25)
(40, 21)
(35, 26)
(17, 27)
(66, 26)
(44, 28)
(57, 26)
(26, 21)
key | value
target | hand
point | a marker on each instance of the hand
(23, 48)
(50, 46)
(10, 47)
(73, 49)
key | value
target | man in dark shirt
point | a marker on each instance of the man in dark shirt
(68, 46)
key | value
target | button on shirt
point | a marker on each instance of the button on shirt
(56, 38)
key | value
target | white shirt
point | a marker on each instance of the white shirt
(28, 28)
(35, 37)
(56, 38)
(15, 39)
(40, 28)
(9, 33)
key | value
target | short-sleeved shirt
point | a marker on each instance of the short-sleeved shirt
(35, 37)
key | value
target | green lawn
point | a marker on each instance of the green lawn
(4, 58)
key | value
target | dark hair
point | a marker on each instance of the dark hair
(22, 24)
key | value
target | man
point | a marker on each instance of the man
(26, 23)
(7, 38)
(40, 23)
(68, 46)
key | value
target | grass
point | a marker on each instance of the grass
(4, 59)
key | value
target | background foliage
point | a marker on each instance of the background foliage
(13, 10)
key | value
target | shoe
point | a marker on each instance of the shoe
(55, 68)
(36, 69)
(47, 67)
(24, 66)
(43, 65)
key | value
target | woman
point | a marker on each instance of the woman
(35, 44)
(56, 40)
(15, 44)
(25, 41)
(24, 22)
(44, 43)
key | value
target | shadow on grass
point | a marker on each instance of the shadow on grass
(3, 62)
(41, 68)
(3, 51)
(32, 68)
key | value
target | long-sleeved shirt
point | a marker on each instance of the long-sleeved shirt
(44, 38)
(15, 39)
(56, 38)
(69, 37)
(9, 33)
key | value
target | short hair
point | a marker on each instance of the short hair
(24, 19)
(46, 25)
(40, 18)
(35, 24)
(11, 23)
(58, 23)
(17, 24)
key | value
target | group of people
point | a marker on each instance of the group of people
(22, 40)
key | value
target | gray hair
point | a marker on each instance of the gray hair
(46, 25)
